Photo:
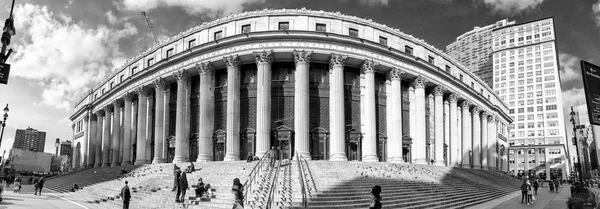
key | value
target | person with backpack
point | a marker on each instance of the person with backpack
(524, 196)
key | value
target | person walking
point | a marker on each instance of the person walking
(551, 184)
(375, 197)
(524, 196)
(39, 186)
(183, 186)
(535, 187)
(239, 197)
(529, 193)
(126, 195)
(176, 178)
(556, 186)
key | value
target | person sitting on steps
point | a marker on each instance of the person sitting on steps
(199, 188)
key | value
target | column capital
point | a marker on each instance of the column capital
(453, 98)
(301, 56)
(86, 117)
(411, 88)
(118, 103)
(465, 104)
(419, 82)
(430, 96)
(181, 75)
(446, 102)
(263, 57)
(129, 96)
(337, 59)
(476, 110)
(492, 118)
(101, 113)
(142, 90)
(159, 83)
(369, 66)
(458, 108)
(108, 108)
(205, 68)
(484, 114)
(396, 74)
(232, 61)
(94, 117)
(438, 91)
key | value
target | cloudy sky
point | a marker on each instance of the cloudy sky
(66, 46)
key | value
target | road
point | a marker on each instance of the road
(26, 199)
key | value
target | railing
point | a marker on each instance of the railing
(302, 183)
(310, 174)
(273, 190)
(251, 177)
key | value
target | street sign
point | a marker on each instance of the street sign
(591, 84)
(4, 70)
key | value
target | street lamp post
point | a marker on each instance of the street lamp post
(57, 144)
(576, 144)
(4, 123)
(8, 31)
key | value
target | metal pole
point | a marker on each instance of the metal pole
(4, 44)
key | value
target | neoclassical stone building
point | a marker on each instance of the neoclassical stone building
(324, 85)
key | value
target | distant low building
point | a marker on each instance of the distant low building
(25, 160)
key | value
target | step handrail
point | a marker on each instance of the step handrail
(302, 187)
(310, 174)
(252, 175)
(273, 188)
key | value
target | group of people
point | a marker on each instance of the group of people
(38, 184)
(180, 184)
(530, 189)
(553, 186)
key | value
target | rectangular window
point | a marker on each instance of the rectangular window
(169, 52)
(409, 50)
(447, 68)
(353, 32)
(383, 40)
(284, 25)
(321, 27)
(550, 107)
(111, 84)
(150, 62)
(191, 43)
(133, 70)
(246, 28)
(430, 59)
(218, 35)
(121, 79)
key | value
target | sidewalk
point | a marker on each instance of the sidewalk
(26, 199)
(544, 199)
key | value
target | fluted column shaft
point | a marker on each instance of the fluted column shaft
(106, 139)
(476, 140)
(395, 144)
(116, 134)
(127, 129)
(92, 141)
(369, 145)
(86, 138)
(181, 141)
(98, 141)
(232, 142)
(166, 126)
(466, 135)
(73, 149)
(447, 131)
(412, 114)
(419, 141)
(484, 141)
(454, 150)
(301, 104)
(336, 109)
(140, 148)
(492, 142)
(187, 119)
(159, 85)
(439, 126)
(207, 115)
(149, 130)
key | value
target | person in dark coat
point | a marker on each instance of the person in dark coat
(182, 187)
(375, 197)
(39, 186)
(126, 195)
(239, 196)
(535, 187)
(176, 178)
(236, 182)
(199, 188)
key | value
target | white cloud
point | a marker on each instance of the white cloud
(569, 67)
(511, 7)
(64, 57)
(596, 10)
(208, 8)
(573, 97)
(374, 2)
(111, 17)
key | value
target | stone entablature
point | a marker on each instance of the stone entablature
(397, 41)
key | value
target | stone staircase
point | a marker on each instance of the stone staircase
(85, 178)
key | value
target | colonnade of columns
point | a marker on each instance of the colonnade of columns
(465, 132)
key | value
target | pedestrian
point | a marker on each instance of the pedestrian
(535, 187)
(529, 193)
(39, 186)
(126, 195)
(375, 197)
(556, 186)
(199, 188)
(236, 182)
(239, 197)
(183, 187)
(524, 192)
(176, 178)
(551, 184)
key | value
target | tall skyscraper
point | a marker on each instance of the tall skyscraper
(474, 49)
(526, 77)
(30, 139)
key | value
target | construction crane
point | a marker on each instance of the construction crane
(151, 26)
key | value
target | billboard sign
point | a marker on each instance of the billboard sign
(591, 84)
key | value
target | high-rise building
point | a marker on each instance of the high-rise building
(526, 77)
(30, 139)
(474, 48)
(65, 148)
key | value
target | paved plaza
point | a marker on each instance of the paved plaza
(26, 199)
(544, 199)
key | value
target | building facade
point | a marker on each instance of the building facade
(474, 50)
(66, 148)
(321, 85)
(30, 139)
(526, 77)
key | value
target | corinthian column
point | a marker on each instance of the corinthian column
(92, 141)
(263, 103)
(395, 115)
(438, 93)
(492, 142)
(116, 134)
(466, 135)
(447, 131)
(301, 104)
(207, 112)
(484, 141)
(419, 140)
(106, 138)
(127, 128)
(412, 116)
(454, 149)
(181, 141)
(98, 143)
(84, 151)
(232, 142)
(159, 86)
(476, 140)
(369, 145)
(336, 108)
(140, 148)
(149, 130)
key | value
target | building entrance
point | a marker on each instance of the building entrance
(284, 137)
(219, 145)
(381, 147)
(170, 146)
(247, 143)
(319, 140)
(406, 149)
(353, 139)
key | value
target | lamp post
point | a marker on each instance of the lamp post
(4, 123)
(576, 144)
(57, 144)
(8, 31)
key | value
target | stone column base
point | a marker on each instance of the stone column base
(396, 160)
(477, 167)
(175, 160)
(231, 157)
(157, 160)
(440, 163)
(204, 158)
(105, 164)
(113, 164)
(305, 155)
(142, 162)
(420, 161)
(466, 166)
(338, 157)
(126, 163)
